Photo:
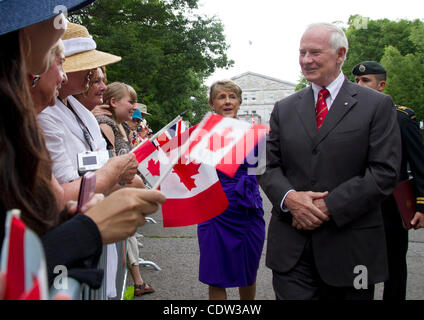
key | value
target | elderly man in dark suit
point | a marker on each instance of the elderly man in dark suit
(333, 154)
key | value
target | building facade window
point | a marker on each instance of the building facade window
(253, 96)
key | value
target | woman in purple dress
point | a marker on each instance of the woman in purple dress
(231, 244)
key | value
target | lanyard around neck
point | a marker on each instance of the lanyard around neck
(86, 133)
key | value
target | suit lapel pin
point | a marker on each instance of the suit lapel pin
(346, 104)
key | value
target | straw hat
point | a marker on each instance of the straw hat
(80, 50)
(17, 14)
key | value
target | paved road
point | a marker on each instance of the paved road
(176, 251)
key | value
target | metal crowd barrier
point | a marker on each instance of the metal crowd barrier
(98, 294)
(78, 291)
(74, 290)
(121, 272)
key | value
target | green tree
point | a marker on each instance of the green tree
(303, 83)
(405, 74)
(167, 51)
(368, 40)
(399, 47)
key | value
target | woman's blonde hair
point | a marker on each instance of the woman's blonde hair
(118, 90)
(57, 51)
(226, 85)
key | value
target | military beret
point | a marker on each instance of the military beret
(368, 67)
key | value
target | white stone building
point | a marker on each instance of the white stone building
(260, 92)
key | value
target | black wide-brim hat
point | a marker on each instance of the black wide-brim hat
(17, 14)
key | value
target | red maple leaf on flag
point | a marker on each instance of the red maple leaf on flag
(186, 172)
(153, 167)
(219, 140)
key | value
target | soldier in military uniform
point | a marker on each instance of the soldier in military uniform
(373, 75)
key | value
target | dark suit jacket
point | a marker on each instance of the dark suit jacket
(356, 157)
(412, 155)
(412, 151)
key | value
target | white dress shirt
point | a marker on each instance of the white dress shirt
(65, 139)
(333, 88)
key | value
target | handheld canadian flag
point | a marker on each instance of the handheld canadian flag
(23, 261)
(224, 143)
(188, 189)
(188, 186)
(147, 155)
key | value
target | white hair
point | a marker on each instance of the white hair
(337, 39)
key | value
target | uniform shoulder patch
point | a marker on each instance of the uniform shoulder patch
(408, 111)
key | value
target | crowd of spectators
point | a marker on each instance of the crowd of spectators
(52, 83)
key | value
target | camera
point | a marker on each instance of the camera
(92, 160)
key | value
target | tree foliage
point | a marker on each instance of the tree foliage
(167, 51)
(399, 47)
(369, 41)
(405, 76)
(303, 83)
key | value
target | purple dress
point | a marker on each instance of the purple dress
(231, 244)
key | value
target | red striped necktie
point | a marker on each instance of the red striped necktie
(321, 108)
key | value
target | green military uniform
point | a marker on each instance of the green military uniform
(396, 234)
